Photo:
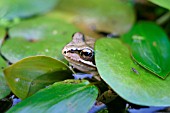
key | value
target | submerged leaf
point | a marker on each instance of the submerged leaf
(39, 36)
(10, 9)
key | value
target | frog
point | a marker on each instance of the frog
(80, 54)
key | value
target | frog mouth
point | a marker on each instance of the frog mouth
(81, 64)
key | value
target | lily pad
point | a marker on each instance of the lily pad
(33, 73)
(2, 34)
(39, 36)
(4, 89)
(73, 96)
(10, 9)
(127, 78)
(98, 15)
(163, 3)
(150, 47)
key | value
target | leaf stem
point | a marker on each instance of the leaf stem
(163, 19)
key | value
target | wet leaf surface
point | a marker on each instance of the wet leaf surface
(33, 73)
(128, 79)
(10, 9)
(163, 3)
(150, 47)
(39, 36)
(2, 34)
(68, 96)
(4, 89)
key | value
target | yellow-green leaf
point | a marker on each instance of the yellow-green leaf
(28, 75)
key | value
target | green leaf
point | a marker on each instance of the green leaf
(71, 96)
(33, 73)
(126, 78)
(98, 15)
(4, 89)
(2, 34)
(162, 3)
(10, 9)
(39, 36)
(150, 47)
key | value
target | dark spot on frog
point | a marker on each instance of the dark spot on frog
(71, 51)
(93, 61)
(65, 52)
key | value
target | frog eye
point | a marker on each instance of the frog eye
(87, 54)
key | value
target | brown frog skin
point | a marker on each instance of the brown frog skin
(80, 54)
